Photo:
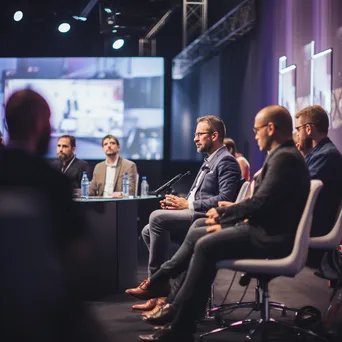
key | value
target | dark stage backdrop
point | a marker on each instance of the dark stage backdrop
(243, 78)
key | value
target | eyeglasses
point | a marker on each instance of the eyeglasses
(299, 127)
(257, 129)
(198, 134)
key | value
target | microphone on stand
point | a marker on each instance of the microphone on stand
(168, 185)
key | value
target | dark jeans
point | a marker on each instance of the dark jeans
(199, 253)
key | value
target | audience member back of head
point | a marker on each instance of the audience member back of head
(22, 170)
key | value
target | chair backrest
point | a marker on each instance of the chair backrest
(333, 238)
(298, 256)
(136, 185)
(243, 192)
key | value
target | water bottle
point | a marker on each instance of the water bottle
(125, 184)
(84, 185)
(144, 187)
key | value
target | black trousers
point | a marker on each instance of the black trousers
(199, 253)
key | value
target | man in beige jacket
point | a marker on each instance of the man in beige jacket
(107, 176)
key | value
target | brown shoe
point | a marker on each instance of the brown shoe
(163, 316)
(147, 306)
(160, 302)
(146, 291)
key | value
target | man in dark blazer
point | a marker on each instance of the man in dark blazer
(67, 162)
(263, 226)
(219, 179)
(324, 161)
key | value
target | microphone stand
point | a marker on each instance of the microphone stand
(168, 188)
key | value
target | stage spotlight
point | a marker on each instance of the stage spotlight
(79, 18)
(118, 44)
(107, 10)
(18, 15)
(64, 27)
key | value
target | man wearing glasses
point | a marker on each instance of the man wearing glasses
(324, 162)
(219, 179)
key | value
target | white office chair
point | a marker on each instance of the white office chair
(265, 270)
(210, 305)
(331, 240)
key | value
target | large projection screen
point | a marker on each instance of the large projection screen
(92, 97)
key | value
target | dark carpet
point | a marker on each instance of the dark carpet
(124, 325)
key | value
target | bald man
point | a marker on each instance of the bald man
(21, 166)
(263, 226)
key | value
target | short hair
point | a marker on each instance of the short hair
(23, 110)
(281, 118)
(71, 139)
(315, 115)
(109, 136)
(230, 144)
(215, 125)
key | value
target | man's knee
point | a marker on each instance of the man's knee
(203, 245)
(195, 233)
(156, 217)
(199, 223)
(145, 233)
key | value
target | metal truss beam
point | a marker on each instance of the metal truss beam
(195, 19)
(233, 25)
(147, 47)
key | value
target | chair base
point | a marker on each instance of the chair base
(260, 327)
(217, 312)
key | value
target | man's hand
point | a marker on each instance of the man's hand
(225, 204)
(214, 228)
(162, 204)
(117, 194)
(212, 213)
(175, 203)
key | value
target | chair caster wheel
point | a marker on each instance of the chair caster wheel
(307, 315)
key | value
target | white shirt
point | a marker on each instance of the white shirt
(191, 197)
(110, 176)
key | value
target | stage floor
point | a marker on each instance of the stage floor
(122, 324)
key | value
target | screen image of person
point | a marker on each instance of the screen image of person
(107, 176)
(67, 162)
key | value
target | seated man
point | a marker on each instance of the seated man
(324, 162)
(107, 176)
(67, 162)
(263, 226)
(219, 179)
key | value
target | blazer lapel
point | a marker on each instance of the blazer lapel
(118, 171)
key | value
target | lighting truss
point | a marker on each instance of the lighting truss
(195, 19)
(233, 25)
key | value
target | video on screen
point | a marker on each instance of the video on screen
(92, 97)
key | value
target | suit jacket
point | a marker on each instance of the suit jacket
(74, 172)
(97, 184)
(279, 198)
(221, 182)
(325, 163)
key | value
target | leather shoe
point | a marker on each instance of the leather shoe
(163, 316)
(159, 303)
(166, 334)
(147, 306)
(147, 291)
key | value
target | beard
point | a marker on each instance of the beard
(43, 143)
(64, 157)
(307, 144)
(205, 148)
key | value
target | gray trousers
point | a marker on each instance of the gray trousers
(165, 226)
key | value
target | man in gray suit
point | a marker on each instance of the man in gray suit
(219, 179)
(107, 176)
